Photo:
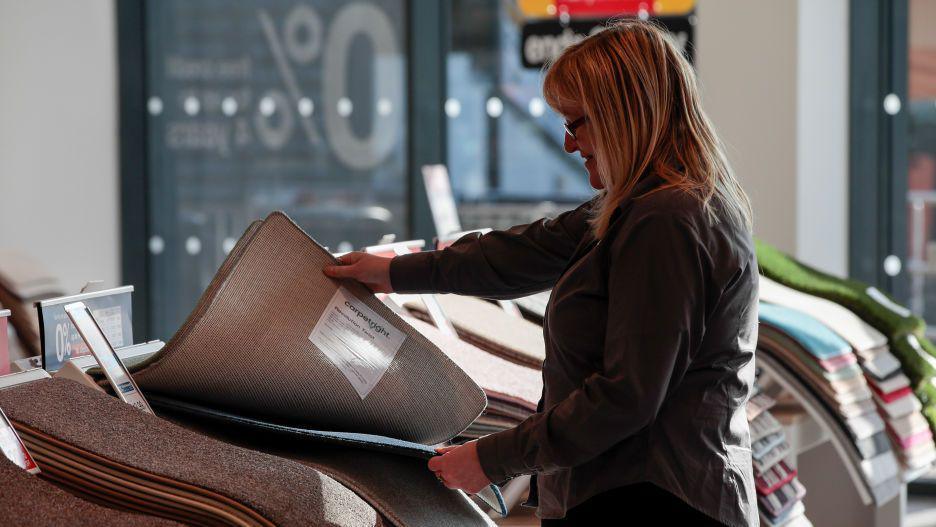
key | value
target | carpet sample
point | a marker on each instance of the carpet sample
(86, 440)
(391, 476)
(30, 501)
(486, 326)
(905, 332)
(502, 380)
(247, 348)
(534, 306)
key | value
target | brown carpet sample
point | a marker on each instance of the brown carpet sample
(121, 455)
(29, 501)
(512, 390)
(401, 488)
(485, 325)
(245, 349)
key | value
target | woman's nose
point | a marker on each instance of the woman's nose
(570, 144)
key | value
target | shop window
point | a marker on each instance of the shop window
(921, 158)
(254, 106)
(505, 151)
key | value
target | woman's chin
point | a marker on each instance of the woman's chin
(595, 181)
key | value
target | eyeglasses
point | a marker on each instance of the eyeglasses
(571, 127)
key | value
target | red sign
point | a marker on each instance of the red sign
(603, 8)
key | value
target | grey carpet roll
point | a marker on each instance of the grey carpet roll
(29, 501)
(94, 440)
(246, 349)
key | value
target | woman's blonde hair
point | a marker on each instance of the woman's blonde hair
(644, 114)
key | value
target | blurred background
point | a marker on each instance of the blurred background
(139, 139)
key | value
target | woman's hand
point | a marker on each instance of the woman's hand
(369, 269)
(458, 467)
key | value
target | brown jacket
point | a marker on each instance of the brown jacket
(650, 336)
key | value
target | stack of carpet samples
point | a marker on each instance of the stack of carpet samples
(779, 492)
(843, 322)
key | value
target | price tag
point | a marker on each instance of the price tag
(111, 308)
(4, 342)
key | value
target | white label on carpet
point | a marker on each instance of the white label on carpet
(357, 340)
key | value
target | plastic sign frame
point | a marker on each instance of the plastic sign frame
(115, 371)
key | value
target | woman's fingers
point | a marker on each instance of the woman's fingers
(346, 269)
(351, 258)
(371, 270)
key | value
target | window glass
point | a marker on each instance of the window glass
(505, 153)
(255, 106)
(921, 159)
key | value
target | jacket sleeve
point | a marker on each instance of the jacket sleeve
(500, 264)
(656, 307)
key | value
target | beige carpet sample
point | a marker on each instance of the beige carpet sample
(250, 347)
(487, 326)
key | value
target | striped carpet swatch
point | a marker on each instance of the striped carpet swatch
(97, 446)
(30, 501)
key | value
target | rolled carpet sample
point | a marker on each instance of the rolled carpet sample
(249, 347)
(111, 451)
(484, 325)
(29, 501)
(512, 390)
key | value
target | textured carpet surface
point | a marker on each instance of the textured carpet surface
(28, 501)
(245, 349)
(400, 487)
(285, 492)
(487, 326)
(501, 379)
(534, 305)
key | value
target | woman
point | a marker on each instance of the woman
(651, 326)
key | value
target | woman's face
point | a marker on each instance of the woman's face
(582, 142)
